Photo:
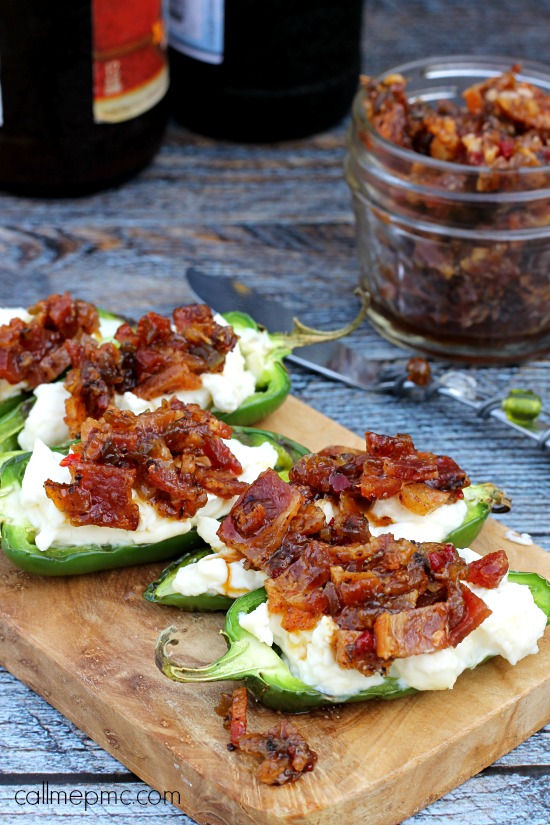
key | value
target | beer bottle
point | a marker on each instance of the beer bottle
(263, 70)
(83, 88)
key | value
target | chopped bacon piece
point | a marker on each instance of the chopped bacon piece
(411, 632)
(450, 476)
(284, 752)
(233, 708)
(174, 456)
(475, 612)
(385, 446)
(35, 351)
(92, 381)
(308, 573)
(259, 519)
(373, 484)
(357, 649)
(164, 360)
(97, 495)
(489, 570)
(364, 615)
(440, 558)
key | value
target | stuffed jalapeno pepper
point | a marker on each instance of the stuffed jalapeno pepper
(388, 488)
(343, 620)
(135, 489)
(226, 364)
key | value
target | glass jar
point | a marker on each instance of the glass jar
(456, 258)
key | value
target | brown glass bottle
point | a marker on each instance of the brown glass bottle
(289, 68)
(50, 141)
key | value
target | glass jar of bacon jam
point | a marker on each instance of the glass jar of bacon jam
(449, 166)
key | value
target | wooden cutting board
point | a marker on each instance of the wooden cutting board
(86, 645)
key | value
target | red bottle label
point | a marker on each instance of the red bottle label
(129, 53)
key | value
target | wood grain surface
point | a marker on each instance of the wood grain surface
(86, 644)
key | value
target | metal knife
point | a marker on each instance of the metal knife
(336, 360)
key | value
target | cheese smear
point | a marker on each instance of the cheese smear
(434, 526)
(214, 574)
(511, 631)
(53, 529)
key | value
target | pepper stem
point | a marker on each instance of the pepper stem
(245, 657)
(494, 498)
(303, 336)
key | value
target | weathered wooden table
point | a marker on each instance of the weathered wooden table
(279, 218)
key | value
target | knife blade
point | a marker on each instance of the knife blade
(340, 362)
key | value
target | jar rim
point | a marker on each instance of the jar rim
(456, 66)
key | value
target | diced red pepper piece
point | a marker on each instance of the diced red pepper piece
(440, 558)
(489, 570)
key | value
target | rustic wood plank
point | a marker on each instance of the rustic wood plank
(42, 742)
(101, 675)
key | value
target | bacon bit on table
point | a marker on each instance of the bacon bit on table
(284, 752)
(172, 457)
(419, 371)
(35, 351)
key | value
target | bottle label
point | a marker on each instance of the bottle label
(129, 58)
(195, 27)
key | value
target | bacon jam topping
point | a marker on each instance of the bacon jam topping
(504, 125)
(388, 598)
(390, 466)
(159, 357)
(34, 351)
(171, 458)
(284, 752)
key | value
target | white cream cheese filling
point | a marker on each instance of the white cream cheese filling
(434, 526)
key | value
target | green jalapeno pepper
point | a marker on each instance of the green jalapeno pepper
(481, 499)
(267, 676)
(12, 421)
(18, 538)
